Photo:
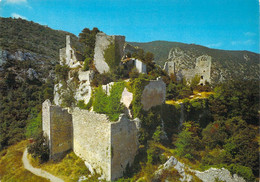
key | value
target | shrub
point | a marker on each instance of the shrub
(112, 56)
(109, 105)
(68, 99)
(87, 106)
(62, 71)
(39, 148)
(87, 62)
(33, 127)
(243, 171)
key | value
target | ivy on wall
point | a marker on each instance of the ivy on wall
(112, 56)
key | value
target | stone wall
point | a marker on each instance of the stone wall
(102, 43)
(57, 127)
(124, 141)
(140, 66)
(202, 69)
(107, 147)
(92, 140)
(67, 55)
(169, 67)
(153, 94)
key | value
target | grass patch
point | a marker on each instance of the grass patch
(196, 95)
(70, 168)
(11, 165)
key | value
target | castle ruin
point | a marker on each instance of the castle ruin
(105, 146)
(201, 69)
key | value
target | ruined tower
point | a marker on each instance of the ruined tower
(102, 43)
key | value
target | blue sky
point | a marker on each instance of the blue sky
(221, 24)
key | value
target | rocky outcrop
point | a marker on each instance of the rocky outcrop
(36, 66)
(173, 163)
(210, 175)
(126, 99)
(222, 174)
(32, 74)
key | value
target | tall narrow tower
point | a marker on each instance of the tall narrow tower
(68, 48)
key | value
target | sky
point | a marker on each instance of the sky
(220, 24)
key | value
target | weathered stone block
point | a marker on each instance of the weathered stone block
(153, 94)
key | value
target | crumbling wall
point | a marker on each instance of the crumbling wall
(203, 68)
(57, 127)
(102, 43)
(140, 66)
(153, 94)
(169, 67)
(67, 55)
(124, 141)
(108, 147)
(92, 142)
(188, 71)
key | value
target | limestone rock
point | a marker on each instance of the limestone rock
(126, 98)
(3, 57)
(172, 162)
(209, 175)
(67, 55)
(83, 92)
(57, 94)
(86, 75)
(32, 74)
(222, 174)
(108, 87)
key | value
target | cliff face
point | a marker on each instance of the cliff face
(26, 65)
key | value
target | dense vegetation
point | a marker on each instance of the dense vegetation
(218, 131)
(21, 96)
(109, 104)
(20, 104)
(19, 34)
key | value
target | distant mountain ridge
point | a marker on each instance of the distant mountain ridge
(225, 64)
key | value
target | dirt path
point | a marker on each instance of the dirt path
(37, 171)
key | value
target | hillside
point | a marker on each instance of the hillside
(19, 34)
(225, 64)
(28, 55)
(217, 129)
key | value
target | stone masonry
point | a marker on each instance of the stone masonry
(108, 147)
(102, 43)
(202, 69)
(57, 127)
(153, 94)
(67, 55)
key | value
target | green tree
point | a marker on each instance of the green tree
(188, 142)
(88, 38)
(100, 100)
(149, 57)
(194, 82)
(40, 148)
